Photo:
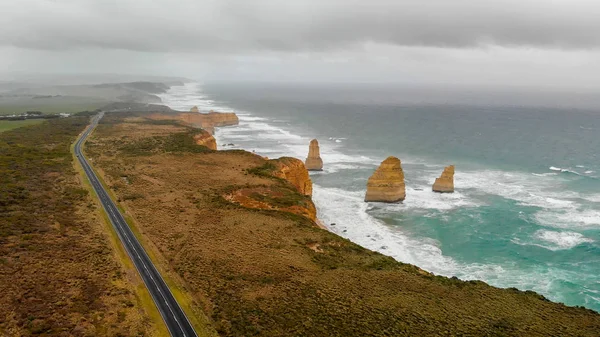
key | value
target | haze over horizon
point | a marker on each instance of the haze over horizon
(535, 44)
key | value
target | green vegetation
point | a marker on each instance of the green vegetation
(9, 125)
(259, 272)
(49, 105)
(282, 197)
(58, 274)
(265, 170)
(174, 143)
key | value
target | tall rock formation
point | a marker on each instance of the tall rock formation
(294, 171)
(194, 109)
(387, 183)
(206, 139)
(313, 161)
(445, 183)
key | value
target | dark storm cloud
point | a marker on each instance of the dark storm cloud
(310, 25)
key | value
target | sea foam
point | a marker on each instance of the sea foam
(561, 240)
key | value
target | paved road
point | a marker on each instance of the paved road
(171, 312)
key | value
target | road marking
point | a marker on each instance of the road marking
(124, 231)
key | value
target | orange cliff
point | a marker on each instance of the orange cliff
(387, 183)
(206, 121)
(294, 171)
(276, 197)
(206, 139)
(209, 120)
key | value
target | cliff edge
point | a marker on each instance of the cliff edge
(294, 197)
(294, 171)
(204, 138)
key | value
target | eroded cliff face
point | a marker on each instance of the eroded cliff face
(221, 118)
(296, 199)
(206, 121)
(206, 139)
(445, 183)
(313, 161)
(274, 198)
(294, 171)
(210, 120)
(387, 183)
(195, 109)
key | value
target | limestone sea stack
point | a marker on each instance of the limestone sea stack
(194, 109)
(387, 183)
(313, 161)
(445, 183)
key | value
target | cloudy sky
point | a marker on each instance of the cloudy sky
(550, 43)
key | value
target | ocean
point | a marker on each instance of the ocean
(526, 207)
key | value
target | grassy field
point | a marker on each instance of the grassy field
(9, 125)
(50, 105)
(59, 272)
(268, 272)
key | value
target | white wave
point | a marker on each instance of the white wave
(539, 191)
(580, 166)
(422, 197)
(337, 167)
(184, 97)
(544, 174)
(248, 118)
(569, 218)
(274, 132)
(561, 240)
(353, 220)
(559, 208)
(592, 198)
(563, 170)
(349, 212)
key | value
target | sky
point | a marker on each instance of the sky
(553, 44)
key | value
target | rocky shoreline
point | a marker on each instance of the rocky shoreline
(238, 229)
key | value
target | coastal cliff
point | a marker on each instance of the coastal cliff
(294, 171)
(206, 139)
(274, 198)
(210, 120)
(293, 199)
(206, 121)
(445, 183)
(387, 183)
(313, 161)
(252, 263)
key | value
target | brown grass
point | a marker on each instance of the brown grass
(59, 273)
(273, 273)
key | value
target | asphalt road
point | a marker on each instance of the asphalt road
(174, 317)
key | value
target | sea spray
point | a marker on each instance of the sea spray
(524, 225)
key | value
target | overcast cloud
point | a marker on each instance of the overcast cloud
(526, 42)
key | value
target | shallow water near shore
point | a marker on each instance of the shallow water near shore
(526, 211)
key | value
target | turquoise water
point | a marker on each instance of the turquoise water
(526, 211)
